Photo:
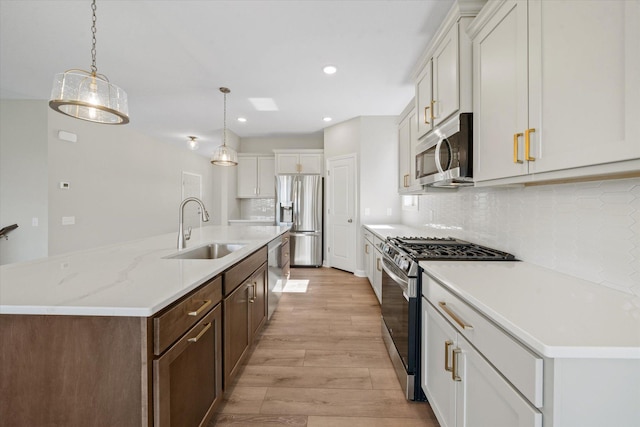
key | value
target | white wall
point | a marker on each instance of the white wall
(589, 230)
(342, 138)
(23, 179)
(123, 184)
(378, 170)
(374, 139)
(266, 145)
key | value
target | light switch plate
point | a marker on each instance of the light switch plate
(68, 220)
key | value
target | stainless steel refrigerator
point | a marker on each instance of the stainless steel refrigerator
(299, 204)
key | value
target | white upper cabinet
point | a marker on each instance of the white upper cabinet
(407, 142)
(424, 101)
(556, 89)
(446, 77)
(256, 176)
(307, 162)
(443, 80)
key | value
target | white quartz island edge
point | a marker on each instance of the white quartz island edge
(556, 315)
(127, 279)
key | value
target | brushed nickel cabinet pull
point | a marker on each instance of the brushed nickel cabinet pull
(454, 371)
(447, 344)
(454, 316)
(378, 264)
(202, 332)
(206, 304)
(366, 248)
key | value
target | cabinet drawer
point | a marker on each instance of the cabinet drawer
(237, 274)
(377, 242)
(174, 322)
(518, 364)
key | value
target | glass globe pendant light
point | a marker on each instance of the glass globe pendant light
(223, 155)
(88, 95)
(193, 144)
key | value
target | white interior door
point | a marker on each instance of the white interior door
(341, 208)
(191, 187)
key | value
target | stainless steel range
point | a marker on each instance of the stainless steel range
(401, 289)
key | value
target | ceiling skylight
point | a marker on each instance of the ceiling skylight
(264, 104)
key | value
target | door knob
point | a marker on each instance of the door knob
(349, 220)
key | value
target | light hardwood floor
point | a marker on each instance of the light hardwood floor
(321, 361)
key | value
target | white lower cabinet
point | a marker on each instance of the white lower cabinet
(377, 274)
(373, 262)
(462, 386)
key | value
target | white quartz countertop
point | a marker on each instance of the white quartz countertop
(556, 315)
(128, 279)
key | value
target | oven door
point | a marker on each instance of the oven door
(395, 308)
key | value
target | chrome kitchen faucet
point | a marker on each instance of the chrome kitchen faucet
(182, 235)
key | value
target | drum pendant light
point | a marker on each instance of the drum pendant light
(88, 95)
(223, 155)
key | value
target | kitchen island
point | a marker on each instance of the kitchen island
(125, 335)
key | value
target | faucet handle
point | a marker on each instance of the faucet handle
(187, 234)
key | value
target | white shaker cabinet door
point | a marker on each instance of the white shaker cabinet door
(446, 77)
(247, 176)
(584, 68)
(500, 93)
(438, 341)
(311, 163)
(404, 154)
(266, 177)
(287, 163)
(484, 398)
(423, 102)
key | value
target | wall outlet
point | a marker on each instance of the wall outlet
(64, 185)
(68, 220)
(34, 222)
(367, 211)
(389, 212)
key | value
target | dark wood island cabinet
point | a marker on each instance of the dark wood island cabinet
(169, 369)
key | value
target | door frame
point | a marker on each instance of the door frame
(328, 241)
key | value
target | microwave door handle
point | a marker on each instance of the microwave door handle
(437, 155)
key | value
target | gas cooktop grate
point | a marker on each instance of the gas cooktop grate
(421, 249)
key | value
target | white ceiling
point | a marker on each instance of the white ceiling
(172, 56)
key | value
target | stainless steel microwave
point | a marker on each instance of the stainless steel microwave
(445, 158)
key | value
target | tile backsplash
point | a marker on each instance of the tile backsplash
(590, 230)
(257, 209)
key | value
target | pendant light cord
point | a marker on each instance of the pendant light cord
(94, 68)
(224, 121)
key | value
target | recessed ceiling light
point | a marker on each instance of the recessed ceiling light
(329, 69)
(264, 104)
(242, 119)
(327, 119)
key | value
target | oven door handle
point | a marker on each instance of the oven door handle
(403, 283)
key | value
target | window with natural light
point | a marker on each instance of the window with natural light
(409, 203)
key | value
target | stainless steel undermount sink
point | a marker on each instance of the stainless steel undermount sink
(212, 251)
